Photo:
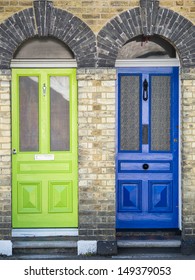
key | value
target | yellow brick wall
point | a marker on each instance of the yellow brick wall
(97, 126)
(97, 12)
(96, 109)
(188, 150)
(5, 155)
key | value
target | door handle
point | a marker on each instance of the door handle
(14, 152)
(44, 89)
(145, 90)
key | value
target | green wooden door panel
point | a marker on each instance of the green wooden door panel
(44, 135)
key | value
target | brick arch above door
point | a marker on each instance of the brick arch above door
(148, 19)
(43, 20)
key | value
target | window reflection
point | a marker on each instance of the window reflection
(60, 117)
(147, 47)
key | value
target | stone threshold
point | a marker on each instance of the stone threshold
(44, 232)
(44, 244)
(149, 243)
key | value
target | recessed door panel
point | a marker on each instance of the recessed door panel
(44, 122)
(147, 153)
(29, 197)
(130, 196)
(60, 197)
(160, 196)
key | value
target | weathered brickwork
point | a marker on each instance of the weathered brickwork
(96, 110)
(97, 12)
(5, 155)
(148, 20)
(45, 20)
(188, 152)
(95, 31)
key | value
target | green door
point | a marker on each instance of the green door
(44, 143)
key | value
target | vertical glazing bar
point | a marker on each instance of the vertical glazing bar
(145, 116)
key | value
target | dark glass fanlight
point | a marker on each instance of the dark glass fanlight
(147, 47)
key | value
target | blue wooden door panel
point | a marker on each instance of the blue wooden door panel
(147, 163)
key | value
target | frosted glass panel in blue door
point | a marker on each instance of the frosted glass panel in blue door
(160, 112)
(147, 148)
(129, 113)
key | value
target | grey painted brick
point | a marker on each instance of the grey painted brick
(173, 20)
(15, 29)
(78, 34)
(116, 26)
(42, 11)
(160, 23)
(6, 46)
(62, 24)
(29, 21)
(111, 33)
(168, 24)
(122, 22)
(183, 26)
(102, 36)
(49, 22)
(8, 33)
(105, 62)
(134, 17)
(21, 22)
(53, 21)
(135, 21)
(178, 28)
(106, 48)
(183, 33)
(149, 12)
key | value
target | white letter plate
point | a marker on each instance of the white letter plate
(44, 157)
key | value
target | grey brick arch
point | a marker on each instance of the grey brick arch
(44, 20)
(148, 19)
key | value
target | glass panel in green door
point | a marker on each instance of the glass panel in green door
(60, 116)
(44, 142)
(29, 114)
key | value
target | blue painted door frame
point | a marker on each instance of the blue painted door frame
(147, 174)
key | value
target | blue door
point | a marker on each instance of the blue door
(147, 148)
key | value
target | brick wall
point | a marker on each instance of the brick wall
(96, 90)
(101, 50)
(5, 157)
(96, 118)
(148, 19)
(43, 20)
(188, 152)
(97, 12)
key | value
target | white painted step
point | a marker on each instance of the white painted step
(148, 243)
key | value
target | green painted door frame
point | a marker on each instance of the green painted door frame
(44, 145)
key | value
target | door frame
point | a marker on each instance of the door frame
(137, 63)
(44, 63)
